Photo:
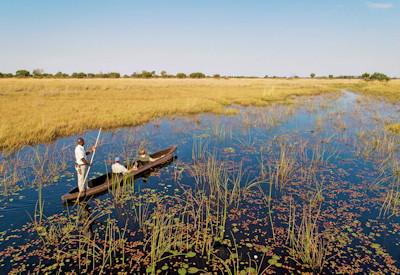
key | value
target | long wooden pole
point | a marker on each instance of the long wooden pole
(91, 160)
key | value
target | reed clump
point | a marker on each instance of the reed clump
(307, 244)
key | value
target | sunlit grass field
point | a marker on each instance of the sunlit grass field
(39, 110)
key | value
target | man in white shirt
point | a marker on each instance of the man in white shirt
(118, 168)
(81, 164)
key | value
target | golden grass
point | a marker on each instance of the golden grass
(388, 90)
(34, 111)
(394, 128)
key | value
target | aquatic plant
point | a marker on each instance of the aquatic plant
(307, 245)
(46, 163)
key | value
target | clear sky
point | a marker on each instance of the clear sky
(233, 37)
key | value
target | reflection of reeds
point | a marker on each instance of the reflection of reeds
(248, 140)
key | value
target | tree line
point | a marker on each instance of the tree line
(39, 73)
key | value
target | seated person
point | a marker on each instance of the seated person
(145, 158)
(118, 168)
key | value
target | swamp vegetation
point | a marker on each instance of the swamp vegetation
(310, 186)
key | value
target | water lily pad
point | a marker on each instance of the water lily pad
(193, 270)
(190, 254)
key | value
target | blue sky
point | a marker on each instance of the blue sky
(233, 37)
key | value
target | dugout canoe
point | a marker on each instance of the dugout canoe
(103, 183)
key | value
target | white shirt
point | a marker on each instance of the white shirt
(118, 168)
(80, 154)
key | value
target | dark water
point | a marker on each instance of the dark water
(342, 131)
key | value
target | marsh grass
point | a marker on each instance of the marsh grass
(122, 188)
(11, 173)
(35, 111)
(278, 171)
(47, 163)
(71, 237)
(307, 244)
(142, 209)
(377, 144)
(391, 204)
(220, 131)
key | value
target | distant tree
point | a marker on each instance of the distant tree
(197, 75)
(379, 76)
(266, 76)
(216, 76)
(79, 75)
(164, 73)
(22, 73)
(312, 75)
(330, 76)
(91, 75)
(181, 75)
(146, 74)
(61, 75)
(38, 73)
(114, 75)
(6, 75)
(365, 76)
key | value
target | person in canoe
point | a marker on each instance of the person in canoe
(81, 164)
(118, 168)
(145, 158)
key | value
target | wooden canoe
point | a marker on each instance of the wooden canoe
(104, 182)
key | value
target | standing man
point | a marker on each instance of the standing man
(81, 164)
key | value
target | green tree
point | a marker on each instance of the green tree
(197, 75)
(114, 75)
(79, 75)
(146, 74)
(216, 76)
(365, 76)
(61, 75)
(379, 77)
(330, 76)
(181, 75)
(312, 75)
(22, 73)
